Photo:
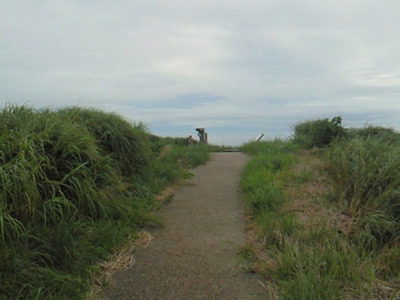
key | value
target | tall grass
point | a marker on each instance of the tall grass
(49, 163)
(261, 189)
(269, 147)
(74, 184)
(127, 143)
(370, 131)
(54, 178)
(366, 179)
(314, 259)
(373, 165)
(173, 163)
(366, 176)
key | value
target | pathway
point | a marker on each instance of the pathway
(195, 255)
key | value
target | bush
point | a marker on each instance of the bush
(318, 133)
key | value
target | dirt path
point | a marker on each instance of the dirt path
(195, 255)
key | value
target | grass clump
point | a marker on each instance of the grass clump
(373, 165)
(261, 189)
(74, 185)
(370, 131)
(366, 179)
(173, 162)
(56, 189)
(271, 147)
(127, 144)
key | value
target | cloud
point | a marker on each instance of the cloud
(249, 65)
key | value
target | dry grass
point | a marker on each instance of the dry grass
(277, 246)
(308, 199)
(166, 195)
(121, 260)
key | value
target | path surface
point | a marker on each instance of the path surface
(195, 255)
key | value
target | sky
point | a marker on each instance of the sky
(238, 68)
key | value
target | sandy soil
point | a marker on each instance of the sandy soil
(195, 256)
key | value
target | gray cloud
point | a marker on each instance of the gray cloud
(236, 67)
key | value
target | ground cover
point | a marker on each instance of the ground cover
(325, 222)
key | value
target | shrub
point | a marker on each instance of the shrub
(318, 133)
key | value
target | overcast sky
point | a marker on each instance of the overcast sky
(238, 68)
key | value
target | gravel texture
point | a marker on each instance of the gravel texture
(195, 254)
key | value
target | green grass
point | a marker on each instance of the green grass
(260, 185)
(127, 144)
(74, 185)
(269, 147)
(314, 259)
(366, 178)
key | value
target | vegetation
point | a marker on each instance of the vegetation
(318, 133)
(115, 137)
(383, 133)
(326, 223)
(74, 185)
(77, 183)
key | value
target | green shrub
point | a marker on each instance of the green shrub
(318, 133)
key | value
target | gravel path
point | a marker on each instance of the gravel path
(195, 255)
